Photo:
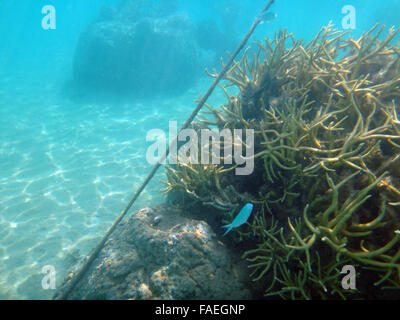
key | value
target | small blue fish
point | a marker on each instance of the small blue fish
(240, 219)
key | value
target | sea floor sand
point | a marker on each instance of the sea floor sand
(67, 170)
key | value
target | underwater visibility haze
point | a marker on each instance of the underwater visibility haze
(87, 88)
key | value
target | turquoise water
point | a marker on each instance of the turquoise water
(69, 166)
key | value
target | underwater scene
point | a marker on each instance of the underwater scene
(185, 150)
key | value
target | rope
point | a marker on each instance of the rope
(64, 292)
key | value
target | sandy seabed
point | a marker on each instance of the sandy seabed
(67, 170)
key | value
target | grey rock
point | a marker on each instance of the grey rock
(142, 56)
(157, 253)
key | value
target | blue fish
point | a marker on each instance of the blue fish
(240, 219)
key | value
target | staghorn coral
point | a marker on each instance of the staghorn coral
(327, 149)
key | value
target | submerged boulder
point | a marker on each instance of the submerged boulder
(157, 253)
(144, 56)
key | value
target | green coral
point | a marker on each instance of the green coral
(327, 174)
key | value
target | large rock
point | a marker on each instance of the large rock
(142, 56)
(157, 253)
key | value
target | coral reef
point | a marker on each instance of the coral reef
(326, 185)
